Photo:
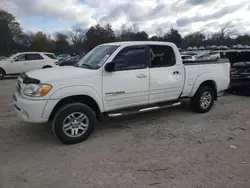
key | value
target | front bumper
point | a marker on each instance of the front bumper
(29, 110)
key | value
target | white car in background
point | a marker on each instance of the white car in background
(246, 46)
(27, 61)
(203, 57)
(239, 46)
(214, 56)
(187, 58)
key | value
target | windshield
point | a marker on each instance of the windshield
(96, 57)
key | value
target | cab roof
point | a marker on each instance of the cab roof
(131, 43)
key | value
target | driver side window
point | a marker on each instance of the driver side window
(131, 58)
(20, 58)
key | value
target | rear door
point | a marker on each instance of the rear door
(128, 85)
(34, 61)
(166, 74)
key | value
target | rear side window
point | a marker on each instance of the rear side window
(131, 58)
(161, 56)
(51, 56)
(33, 57)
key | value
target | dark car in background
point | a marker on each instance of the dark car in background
(240, 71)
(72, 61)
(63, 57)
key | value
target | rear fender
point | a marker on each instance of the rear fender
(200, 79)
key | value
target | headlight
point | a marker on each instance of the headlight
(37, 90)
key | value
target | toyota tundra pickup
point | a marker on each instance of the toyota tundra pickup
(116, 79)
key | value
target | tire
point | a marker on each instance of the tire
(2, 74)
(47, 66)
(63, 118)
(198, 103)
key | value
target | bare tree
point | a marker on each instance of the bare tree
(77, 36)
(225, 34)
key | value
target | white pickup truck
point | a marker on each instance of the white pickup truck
(116, 79)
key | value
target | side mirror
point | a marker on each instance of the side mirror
(110, 67)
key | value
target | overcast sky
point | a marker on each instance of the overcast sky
(149, 15)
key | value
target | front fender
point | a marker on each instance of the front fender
(78, 90)
(200, 79)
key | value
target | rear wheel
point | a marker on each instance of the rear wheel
(73, 123)
(2, 73)
(203, 100)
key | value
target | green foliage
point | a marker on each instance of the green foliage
(173, 36)
(10, 32)
(98, 35)
(194, 39)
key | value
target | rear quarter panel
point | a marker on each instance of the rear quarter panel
(197, 74)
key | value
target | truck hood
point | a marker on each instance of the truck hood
(60, 73)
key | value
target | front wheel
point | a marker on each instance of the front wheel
(2, 74)
(203, 100)
(73, 123)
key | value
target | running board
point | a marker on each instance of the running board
(124, 113)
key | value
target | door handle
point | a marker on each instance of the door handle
(176, 72)
(141, 76)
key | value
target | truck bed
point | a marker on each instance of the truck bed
(217, 71)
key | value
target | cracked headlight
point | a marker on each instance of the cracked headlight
(37, 90)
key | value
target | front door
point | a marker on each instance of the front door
(17, 64)
(166, 75)
(128, 85)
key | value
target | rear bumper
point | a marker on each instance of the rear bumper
(29, 110)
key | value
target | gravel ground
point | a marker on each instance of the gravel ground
(170, 148)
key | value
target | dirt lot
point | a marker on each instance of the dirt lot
(168, 148)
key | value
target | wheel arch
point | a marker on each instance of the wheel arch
(3, 70)
(205, 79)
(85, 99)
(211, 84)
(3, 73)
